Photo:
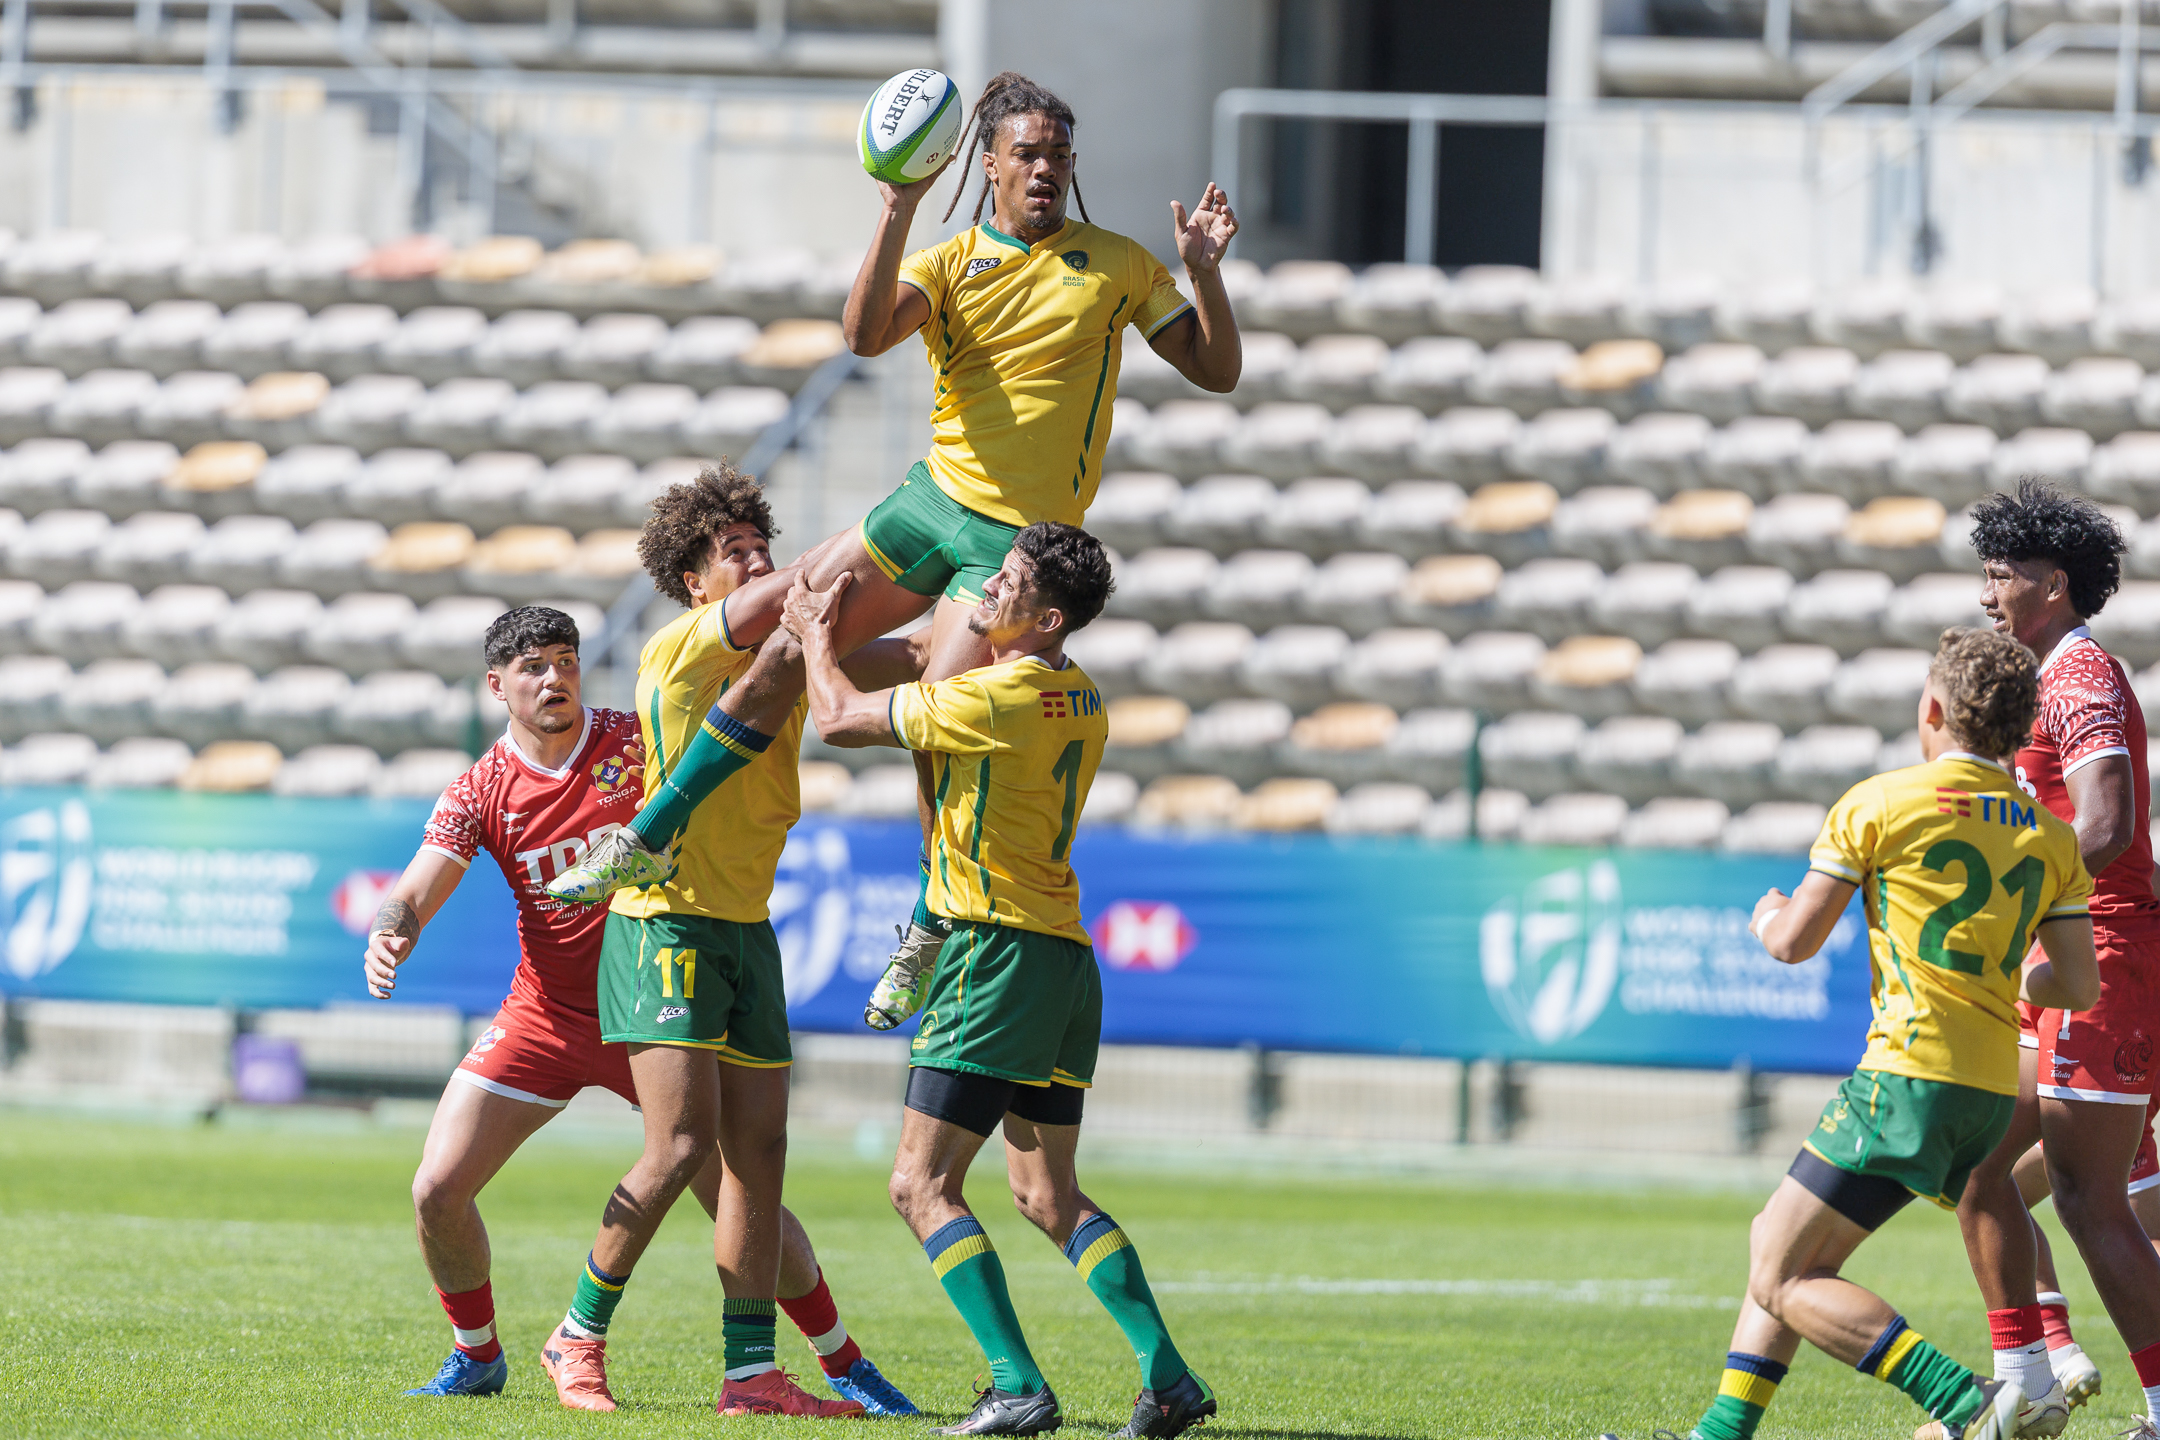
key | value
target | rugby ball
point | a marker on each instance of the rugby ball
(910, 127)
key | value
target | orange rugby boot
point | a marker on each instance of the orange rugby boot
(776, 1393)
(579, 1370)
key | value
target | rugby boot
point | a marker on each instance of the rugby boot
(871, 1390)
(775, 1393)
(1000, 1412)
(2142, 1428)
(1998, 1418)
(2080, 1377)
(901, 990)
(1163, 1414)
(463, 1375)
(2044, 1417)
(618, 860)
(579, 1370)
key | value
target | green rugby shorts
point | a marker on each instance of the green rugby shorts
(928, 542)
(697, 982)
(1016, 1004)
(1926, 1135)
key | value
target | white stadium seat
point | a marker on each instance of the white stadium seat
(1741, 603)
(109, 700)
(78, 335)
(243, 552)
(1854, 459)
(1714, 380)
(1950, 463)
(1822, 762)
(1299, 297)
(1809, 383)
(1430, 747)
(552, 418)
(1523, 375)
(1605, 523)
(1488, 303)
(613, 349)
(140, 762)
(52, 758)
(1906, 387)
(2046, 452)
(1580, 309)
(645, 422)
(1492, 670)
(124, 478)
(1663, 451)
(1730, 761)
(434, 343)
(1410, 517)
(167, 336)
(1375, 443)
(2002, 392)
(1564, 448)
(1959, 318)
(33, 685)
(525, 347)
(1579, 818)
(343, 341)
(1786, 684)
(40, 474)
(2127, 469)
(1677, 311)
(2096, 393)
(26, 393)
(1223, 513)
(1774, 827)
(360, 633)
(580, 492)
(1551, 598)
(1357, 590)
(149, 549)
(1185, 437)
(204, 703)
(369, 412)
(234, 269)
(255, 339)
(189, 408)
(1261, 588)
(1867, 316)
(58, 547)
(1392, 301)
(1318, 516)
(2130, 325)
(728, 422)
(85, 621)
(1198, 661)
(307, 483)
(1163, 586)
(1236, 738)
(2130, 625)
(1281, 441)
(1111, 651)
(1687, 679)
(1337, 371)
(177, 624)
(1758, 455)
(1432, 373)
(460, 414)
(395, 710)
(1630, 756)
(267, 629)
(1379, 807)
(331, 556)
(1646, 601)
(297, 706)
(1532, 751)
(1880, 687)
(1800, 533)
(1469, 444)
(1499, 815)
(399, 486)
(1676, 822)
(1132, 509)
(103, 405)
(446, 636)
(1924, 607)
(421, 773)
(1843, 609)
(321, 771)
(19, 604)
(1398, 667)
(704, 352)
(2054, 323)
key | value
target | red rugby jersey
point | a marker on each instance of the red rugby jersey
(2087, 712)
(538, 823)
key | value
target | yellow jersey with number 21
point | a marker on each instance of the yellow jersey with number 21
(1026, 341)
(1957, 868)
(1017, 746)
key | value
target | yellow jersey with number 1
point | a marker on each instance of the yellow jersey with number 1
(1017, 746)
(1957, 867)
(729, 851)
(1025, 341)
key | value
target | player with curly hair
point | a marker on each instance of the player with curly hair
(1958, 873)
(2050, 562)
(1023, 316)
(560, 775)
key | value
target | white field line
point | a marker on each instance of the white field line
(1566, 1292)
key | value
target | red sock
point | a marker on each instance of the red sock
(472, 1322)
(2055, 1320)
(818, 1318)
(2147, 1364)
(2016, 1328)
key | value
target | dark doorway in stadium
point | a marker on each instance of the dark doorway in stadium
(1342, 184)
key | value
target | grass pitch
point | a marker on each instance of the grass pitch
(220, 1280)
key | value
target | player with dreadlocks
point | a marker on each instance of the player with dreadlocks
(1023, 315)
(2050, 562)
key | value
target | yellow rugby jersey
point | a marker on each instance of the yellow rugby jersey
(727, 854)
(1017, 745)
(1025, 341)
(1957, 867)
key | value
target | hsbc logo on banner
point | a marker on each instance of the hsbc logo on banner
(1144, 935)
(358, 896)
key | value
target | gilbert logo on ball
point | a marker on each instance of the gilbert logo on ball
(910, 127)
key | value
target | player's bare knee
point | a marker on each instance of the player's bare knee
(679, 1157)
(435, 1199)
(1044, 1205)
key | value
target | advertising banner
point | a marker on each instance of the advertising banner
(1380, 946)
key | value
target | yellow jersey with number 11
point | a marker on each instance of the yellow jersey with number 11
(1957, 867)
(1025, 341)
(1017, 746)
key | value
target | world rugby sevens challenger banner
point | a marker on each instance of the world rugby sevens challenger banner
(1304, 943)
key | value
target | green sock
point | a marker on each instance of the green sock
(966, 1264)
(1743, 1395)
(746, 1332)
(598, 1293)
(922, 915)
(1939, 1385)
(1108, 1263)
(721, 746)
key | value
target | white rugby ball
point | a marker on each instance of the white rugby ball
(910, 127)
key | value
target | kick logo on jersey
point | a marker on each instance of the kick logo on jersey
(988, 262)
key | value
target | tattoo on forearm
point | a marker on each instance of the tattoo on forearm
(397, 918)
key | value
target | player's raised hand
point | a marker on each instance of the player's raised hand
(1205, 234)
(1772, 901)
(807, 609)
(385, 952)
(907, 197)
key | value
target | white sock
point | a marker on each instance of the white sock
(579, 1332)
(2152, 1404)
(831, 1340)
(2028, 1366)
(750, 1371)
